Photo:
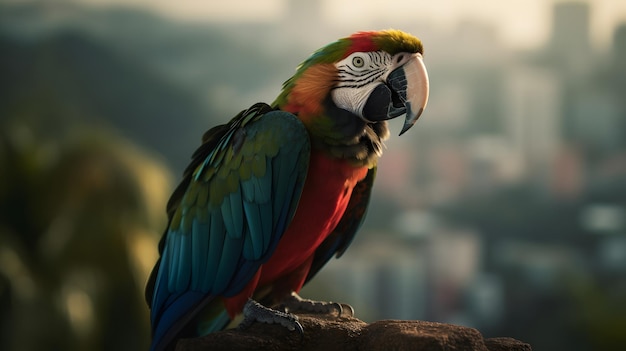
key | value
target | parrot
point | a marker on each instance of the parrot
(271, 196)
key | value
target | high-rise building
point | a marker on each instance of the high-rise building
(619, 44)
(570, 27)
(570, 41)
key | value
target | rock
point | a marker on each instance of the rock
(329, 333)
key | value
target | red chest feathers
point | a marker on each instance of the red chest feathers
(324, 199)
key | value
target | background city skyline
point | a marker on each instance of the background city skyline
(522, 24)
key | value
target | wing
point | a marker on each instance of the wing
(227, 216)
(339, 240)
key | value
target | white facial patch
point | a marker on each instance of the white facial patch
(359, 74)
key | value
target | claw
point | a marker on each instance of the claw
(346, 310)
(296, 303)
(255, 312)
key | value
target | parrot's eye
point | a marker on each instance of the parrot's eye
(358, 62)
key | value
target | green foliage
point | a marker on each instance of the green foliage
(79, 218)
(70, 78)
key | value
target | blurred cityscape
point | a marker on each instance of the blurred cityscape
(503, 209)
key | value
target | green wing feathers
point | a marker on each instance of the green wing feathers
(238, 202)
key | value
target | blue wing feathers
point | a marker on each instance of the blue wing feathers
(229, 217)
(247, 188)
(252, 248)
(184, 266)
(174, 258)
(283, 186)
(231, 252)
(200, 247)
(216, 242)
(238, 202)
(246, 272)
(248, 246)
(263, 186)
(235, 215)
(159, 296)
(266, 228)
(171, 315)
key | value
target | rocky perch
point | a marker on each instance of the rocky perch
(329, 333)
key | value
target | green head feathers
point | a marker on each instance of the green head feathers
(392, 41)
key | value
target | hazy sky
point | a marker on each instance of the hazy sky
(518, 22)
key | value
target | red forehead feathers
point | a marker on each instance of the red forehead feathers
(361, 42)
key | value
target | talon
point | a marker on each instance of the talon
(255, 312)
(338, 307)
(346, 310)
(297, 303)
(299, 329)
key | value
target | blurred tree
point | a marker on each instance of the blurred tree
(70, 78)
(79, 218)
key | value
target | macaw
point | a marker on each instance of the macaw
(272, 195)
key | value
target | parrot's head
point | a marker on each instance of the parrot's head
(371, 76)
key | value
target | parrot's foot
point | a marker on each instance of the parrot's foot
(255, 312)
(295, 303)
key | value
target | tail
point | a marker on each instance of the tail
(187, 318)
(173, 320)
(181, 315)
